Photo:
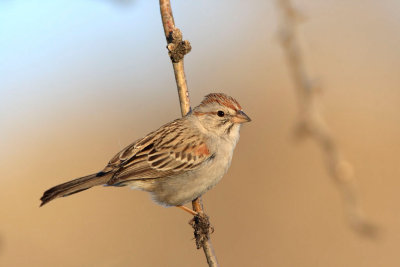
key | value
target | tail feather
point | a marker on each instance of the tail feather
(73, 187)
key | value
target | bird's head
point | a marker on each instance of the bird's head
(220, 114)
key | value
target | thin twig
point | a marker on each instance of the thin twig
(174, 38)
(177, 48)
(312, 124)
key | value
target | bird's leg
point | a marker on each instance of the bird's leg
(187, 210)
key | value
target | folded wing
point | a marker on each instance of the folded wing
(170, 150)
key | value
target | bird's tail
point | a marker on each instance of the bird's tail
(72, 187)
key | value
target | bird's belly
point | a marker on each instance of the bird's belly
(183, 188)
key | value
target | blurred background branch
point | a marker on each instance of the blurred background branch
(311, 122)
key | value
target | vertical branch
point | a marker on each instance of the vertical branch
(312, 124)
(177, 48)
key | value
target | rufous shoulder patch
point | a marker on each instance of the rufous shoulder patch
(202, 150)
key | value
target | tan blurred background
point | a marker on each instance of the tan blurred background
(82, 79)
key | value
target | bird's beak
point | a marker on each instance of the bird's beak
(240, 117)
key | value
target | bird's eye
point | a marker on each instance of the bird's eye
(220, 113)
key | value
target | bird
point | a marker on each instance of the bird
(177, 163)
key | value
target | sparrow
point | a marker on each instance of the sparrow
(177, 163)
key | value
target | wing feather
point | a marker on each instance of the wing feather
(172, 149)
